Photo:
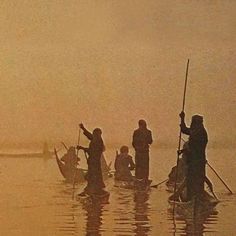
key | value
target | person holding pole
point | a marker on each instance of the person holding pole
(96, 148)
(196, 161)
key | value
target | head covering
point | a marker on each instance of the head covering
(71, 149)
(97, 132)
(197, 119)
(142, 123)
(124, 149)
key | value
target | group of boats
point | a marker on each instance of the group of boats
(190, 209)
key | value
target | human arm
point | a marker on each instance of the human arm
(184, 128)
(134, 140)
(149, 137)
(86, 132)
(209, 184)
(82, 148)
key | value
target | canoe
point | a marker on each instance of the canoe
(78, 174)
(197, 207)
(94, 198)
(136, 185)
(124, 184)
(74, 175)
(170, 186)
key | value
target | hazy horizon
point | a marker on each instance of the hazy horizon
(110, 63)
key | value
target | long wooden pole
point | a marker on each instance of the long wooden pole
(156, 185)
(65, 146)
(220, 178)
(76, 168)
(180, 133)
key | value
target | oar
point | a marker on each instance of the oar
(214, 195)
(220, 178)
(180, 133)
(156, 185)
(65, 146)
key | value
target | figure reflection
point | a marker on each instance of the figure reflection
(141, 209)
(200, 225)
(195, 226)
(93, 219)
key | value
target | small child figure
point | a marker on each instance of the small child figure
(123, 165)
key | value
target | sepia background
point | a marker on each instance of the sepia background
(108, 64)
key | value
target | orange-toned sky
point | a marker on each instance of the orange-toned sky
(110, 63)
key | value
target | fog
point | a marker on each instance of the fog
(109, 63)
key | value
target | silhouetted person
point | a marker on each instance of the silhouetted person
(196, 160)
(123, 165)
(70, 158)
(142, 138)
(182, 166)
(95, 150)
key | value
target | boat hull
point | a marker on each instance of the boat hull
(196, 207)
(74, 175)
(134, 185)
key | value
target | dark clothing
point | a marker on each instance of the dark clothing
(196, 159)
(123, 165)
(142, 138)
(182, 170)
(142, 165)
(94, 175)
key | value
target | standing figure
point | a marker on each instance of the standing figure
(196, 160)
(142, 138)
(123, 165)
(96, 148)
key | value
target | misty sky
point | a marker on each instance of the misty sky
(109, 63)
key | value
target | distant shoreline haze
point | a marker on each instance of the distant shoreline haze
(38, 145)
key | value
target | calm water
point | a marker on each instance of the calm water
(34, 200)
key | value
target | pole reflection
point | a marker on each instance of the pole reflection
(196, 226)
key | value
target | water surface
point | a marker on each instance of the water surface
(34, 200)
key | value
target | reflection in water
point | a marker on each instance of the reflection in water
(68, 222)
(94, 219)
(193, 226)
(76, 217)
(141, 208)
(35, 199)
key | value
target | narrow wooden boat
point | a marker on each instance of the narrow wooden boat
(78, 174)
(195, 208)
(170, 186)
(124, 184)
(71, 175)
(135, 185)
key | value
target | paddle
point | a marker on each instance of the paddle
(180, 133)
(65, 146)
(220, 178)
(214, 194)
(156, 185)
